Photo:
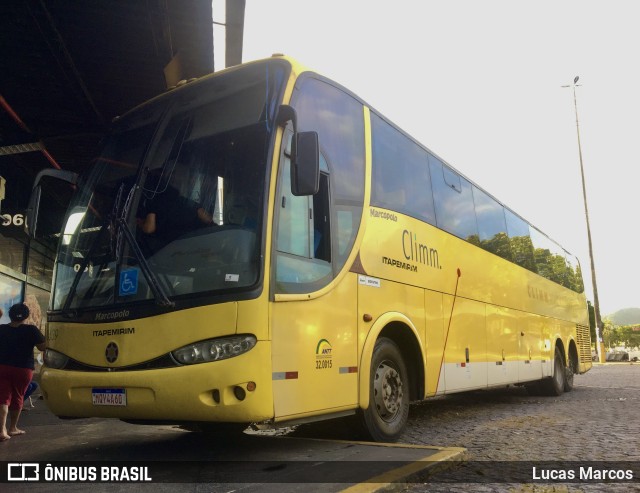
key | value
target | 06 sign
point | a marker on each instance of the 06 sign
(12, 219)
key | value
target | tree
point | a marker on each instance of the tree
(610, 334)
(628, 336)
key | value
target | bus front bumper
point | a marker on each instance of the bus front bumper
(235, 390)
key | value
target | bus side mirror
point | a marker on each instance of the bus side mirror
(50, 215)
(305, 155)
(305, 169)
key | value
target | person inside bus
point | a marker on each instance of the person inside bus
(167, 215)
(17, 341)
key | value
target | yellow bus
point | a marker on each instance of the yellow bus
(261, 246)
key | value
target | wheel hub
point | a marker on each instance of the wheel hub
(388, 390)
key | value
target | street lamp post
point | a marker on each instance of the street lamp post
(596, 303)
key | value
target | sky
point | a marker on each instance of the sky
(480, 84)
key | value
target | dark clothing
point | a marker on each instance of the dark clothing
(175, 215)
(17, 343)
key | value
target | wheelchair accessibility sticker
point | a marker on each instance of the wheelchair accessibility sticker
(128, 282)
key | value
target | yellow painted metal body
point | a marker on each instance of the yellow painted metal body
(504, 323)
(182, 393)
(475, 319)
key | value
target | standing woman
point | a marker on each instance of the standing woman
(17, 341)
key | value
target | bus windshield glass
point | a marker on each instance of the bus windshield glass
(173, 206)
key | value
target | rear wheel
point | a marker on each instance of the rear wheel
(554, 386)
(569, 372)
(388, 411)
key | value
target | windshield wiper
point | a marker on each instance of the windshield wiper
(156, 288)
(120, 225)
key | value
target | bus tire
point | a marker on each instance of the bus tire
(388, 411)
(554, 386)
(569, 373)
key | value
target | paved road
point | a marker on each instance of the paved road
(598, 421)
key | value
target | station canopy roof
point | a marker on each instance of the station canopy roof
(68, 67)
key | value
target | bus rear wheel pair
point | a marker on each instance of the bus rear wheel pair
(561, 381)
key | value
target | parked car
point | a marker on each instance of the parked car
(617, 356)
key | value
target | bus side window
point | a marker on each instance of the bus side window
(321, 223)
(400, 173)
(453, 198)
(520, 240)
(575, 275)
(293, 224)
(303, 257)
(549, 258)
(492, 224)
(338, 118)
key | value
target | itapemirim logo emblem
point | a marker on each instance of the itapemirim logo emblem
(111, 353)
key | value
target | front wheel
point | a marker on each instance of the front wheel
(385, 418)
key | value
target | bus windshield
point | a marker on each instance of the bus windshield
(173, 206)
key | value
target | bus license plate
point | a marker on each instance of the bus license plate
(109, 397)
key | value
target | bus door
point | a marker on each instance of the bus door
(314, 337)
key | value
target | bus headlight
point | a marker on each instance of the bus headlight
(54, 359)
(214, 349)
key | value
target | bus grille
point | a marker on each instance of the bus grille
(583, 336)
